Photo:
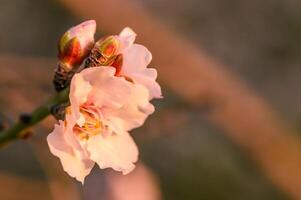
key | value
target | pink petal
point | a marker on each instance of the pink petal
(84, 32)
(134, 111)
(79, 90)
(147, 78)
(117, 151)
(127, 37)
(136, 59)
(70, 138)
(72, 161)
(124, 105)
(108, 90)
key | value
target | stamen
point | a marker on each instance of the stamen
(92, 125)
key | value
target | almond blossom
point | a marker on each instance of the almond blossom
(103, 109)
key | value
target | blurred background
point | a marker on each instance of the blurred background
(241, 56)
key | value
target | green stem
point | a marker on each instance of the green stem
(17, 130)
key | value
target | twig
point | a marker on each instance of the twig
(18, 130)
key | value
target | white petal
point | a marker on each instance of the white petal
(73, 161)
(117, 151)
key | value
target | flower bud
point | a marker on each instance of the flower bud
(76, 43)
(74, 46)
(104, 52)
(108, 46)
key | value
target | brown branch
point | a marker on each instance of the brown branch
(245, 117)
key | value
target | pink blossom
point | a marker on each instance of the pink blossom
(103, 109)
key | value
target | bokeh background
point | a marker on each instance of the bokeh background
(186, 153)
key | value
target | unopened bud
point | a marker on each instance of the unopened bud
(104, 52)
(108, 46)
(75, 45)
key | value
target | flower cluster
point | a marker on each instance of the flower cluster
(109, 96)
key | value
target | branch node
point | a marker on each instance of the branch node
(25, 118)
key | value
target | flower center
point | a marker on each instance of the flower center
(92, 125)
